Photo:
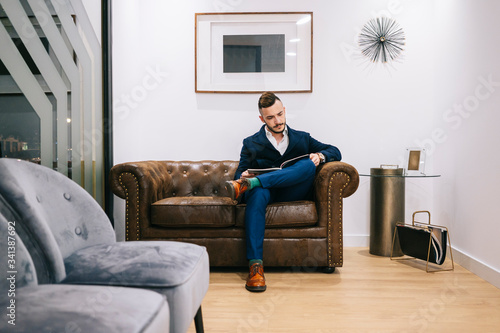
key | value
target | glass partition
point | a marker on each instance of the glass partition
(51, 89)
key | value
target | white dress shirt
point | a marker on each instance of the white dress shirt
(283, 145)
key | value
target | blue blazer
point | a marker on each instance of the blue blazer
(258, 152)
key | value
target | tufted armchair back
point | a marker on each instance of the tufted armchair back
(54, 216)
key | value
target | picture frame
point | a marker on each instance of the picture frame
(415, 162)
(253, 52)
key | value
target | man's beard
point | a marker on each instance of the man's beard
(275, 131)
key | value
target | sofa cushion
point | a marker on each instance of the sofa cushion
(193, 211)
(284, 214)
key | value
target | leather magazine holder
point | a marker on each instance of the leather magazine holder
(423, 241)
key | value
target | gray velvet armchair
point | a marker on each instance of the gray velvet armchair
(71, 242)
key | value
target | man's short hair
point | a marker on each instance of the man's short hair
(267, 99)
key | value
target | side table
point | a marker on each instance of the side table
(387, 207)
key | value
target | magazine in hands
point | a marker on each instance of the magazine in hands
(261, 171)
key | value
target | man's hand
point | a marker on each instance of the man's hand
(315, 158)
(247, 174)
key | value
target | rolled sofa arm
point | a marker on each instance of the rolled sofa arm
(334, 181)
(140, 184)
(347, 178)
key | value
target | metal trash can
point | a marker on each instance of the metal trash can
(387, 207)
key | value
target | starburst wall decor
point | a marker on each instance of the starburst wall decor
(381, 40)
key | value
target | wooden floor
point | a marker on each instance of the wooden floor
(368, 294)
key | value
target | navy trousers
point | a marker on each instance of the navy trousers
(289, 184)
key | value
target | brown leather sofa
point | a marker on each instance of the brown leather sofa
(187, 201)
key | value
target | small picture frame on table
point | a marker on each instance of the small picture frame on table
(415, 162)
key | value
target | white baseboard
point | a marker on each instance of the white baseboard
(356, 240)
(473, 265)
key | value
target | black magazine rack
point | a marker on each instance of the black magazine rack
(423, 241)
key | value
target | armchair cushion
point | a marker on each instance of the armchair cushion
(69, 308)
(180, 271)
(135, 264)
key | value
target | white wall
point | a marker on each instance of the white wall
(371, 113)
(467, 55)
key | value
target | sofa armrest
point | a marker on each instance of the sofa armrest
(334, 181)
(140, 184)
(337, 175)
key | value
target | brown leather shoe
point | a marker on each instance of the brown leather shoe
(237, 187)
(256, 280)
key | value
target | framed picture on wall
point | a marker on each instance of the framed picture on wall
(415, 161)
(253, 52)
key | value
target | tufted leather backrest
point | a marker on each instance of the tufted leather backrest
(201, 178)
(56, 215)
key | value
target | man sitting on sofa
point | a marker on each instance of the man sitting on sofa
(274, 144)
